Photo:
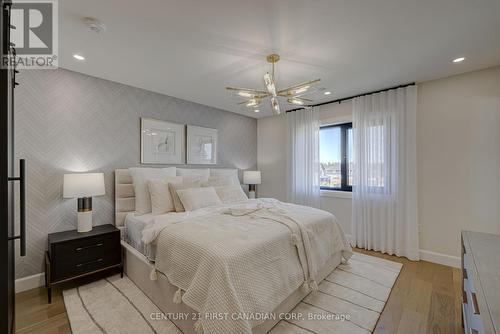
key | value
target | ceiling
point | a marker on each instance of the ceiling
(193, 49)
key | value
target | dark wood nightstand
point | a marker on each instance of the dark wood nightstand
(71, 254)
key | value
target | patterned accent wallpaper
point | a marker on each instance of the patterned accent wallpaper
(70, 122)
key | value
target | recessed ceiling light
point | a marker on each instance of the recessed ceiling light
(78, 57)
(256, 110)
(459, 59)
(327, 93)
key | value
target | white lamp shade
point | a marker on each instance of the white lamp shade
(83, 185)
(251, 177)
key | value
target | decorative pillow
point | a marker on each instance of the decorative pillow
(139, 178)
(187, 183)
(231, 173)
(218, 181)
(203, 173)
(197, 198)
(161, 200)
(230, 194)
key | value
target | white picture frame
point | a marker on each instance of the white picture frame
(162, 142)
(201, 145)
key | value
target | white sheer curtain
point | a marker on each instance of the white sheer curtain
(384, 196)
(303, 157)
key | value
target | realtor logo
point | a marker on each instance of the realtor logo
(34, 35)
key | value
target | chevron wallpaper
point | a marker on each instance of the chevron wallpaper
(70, 122)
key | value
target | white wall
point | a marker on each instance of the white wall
(458, 139)
(341, 208)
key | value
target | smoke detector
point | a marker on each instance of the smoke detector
(95, 25)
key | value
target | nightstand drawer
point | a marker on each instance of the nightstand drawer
(82, 250)
(76, 267)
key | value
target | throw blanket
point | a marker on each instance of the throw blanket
(237, 262)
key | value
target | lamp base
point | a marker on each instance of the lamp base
(251, 191)
(84, 221)
(84, 214)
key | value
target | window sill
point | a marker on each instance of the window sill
(336, 193)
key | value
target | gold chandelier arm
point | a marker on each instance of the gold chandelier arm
(294, 96)
(249, 90)
(302, 99)
(253, 102)
(286, 92)
(259, 96)
(298, 101)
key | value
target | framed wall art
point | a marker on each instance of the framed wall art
(161, 142)
(201, 145)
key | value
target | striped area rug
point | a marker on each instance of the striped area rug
(349, 300)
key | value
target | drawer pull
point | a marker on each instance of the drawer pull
(87, 247)
(90, 262)
(464, 297)
(464, 273)
(475, 306)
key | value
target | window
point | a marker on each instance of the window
(336, 157)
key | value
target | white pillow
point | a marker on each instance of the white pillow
(230, 194)
(231, 173)
(197, 198)
(218, 181)
(187, 182)
(139, 178)
(161, 200)
(203, 173)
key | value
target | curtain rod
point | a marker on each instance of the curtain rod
(353, 97)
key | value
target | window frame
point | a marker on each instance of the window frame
(344, 127)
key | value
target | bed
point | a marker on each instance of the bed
(141, 263)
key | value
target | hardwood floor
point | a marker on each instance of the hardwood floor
(34, 315)
(425, 299)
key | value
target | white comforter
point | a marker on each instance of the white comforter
(236, 262)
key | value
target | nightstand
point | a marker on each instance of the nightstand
(71, 254)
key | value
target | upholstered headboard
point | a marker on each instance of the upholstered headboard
(124, 196)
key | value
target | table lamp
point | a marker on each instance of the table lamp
(251, 177)
(83, 186)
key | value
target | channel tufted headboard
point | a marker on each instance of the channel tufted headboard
(124, 196)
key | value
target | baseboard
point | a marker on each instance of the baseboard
(429, 256)
(440, 258)
(30, 282)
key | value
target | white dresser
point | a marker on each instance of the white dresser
(481, 282)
